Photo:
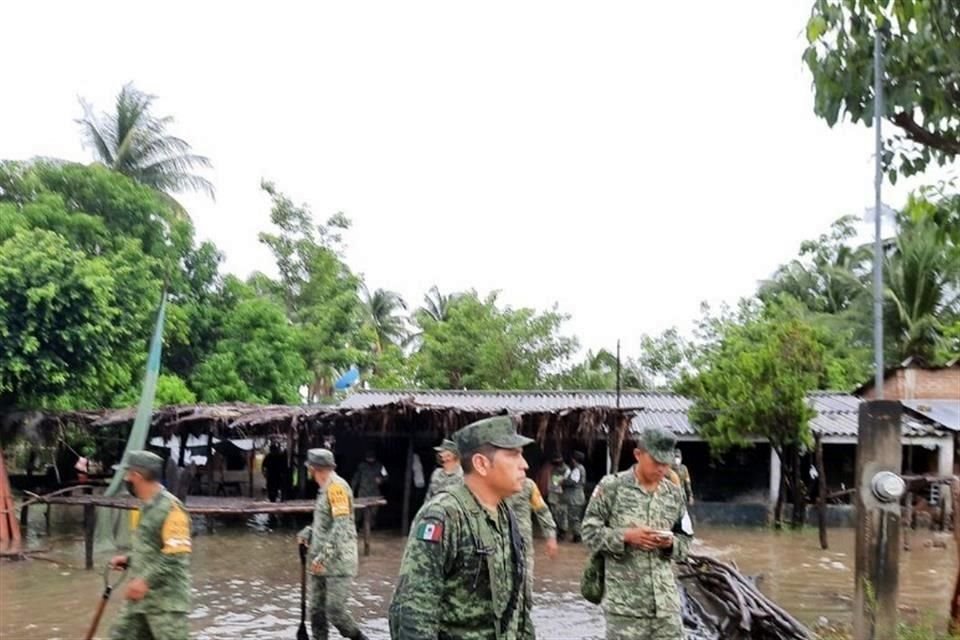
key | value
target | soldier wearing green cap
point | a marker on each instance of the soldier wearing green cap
(462, 576)
(449, 473)
(332, 540)
(638, 520)
(158, 591)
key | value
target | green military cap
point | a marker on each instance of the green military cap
(140, 460)
(448, 445)
(321, 459)
(659, 443)
(499, 432)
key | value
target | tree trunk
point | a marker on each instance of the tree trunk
(781, 494)
(799, 497)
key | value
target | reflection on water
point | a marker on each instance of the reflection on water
(246, 583)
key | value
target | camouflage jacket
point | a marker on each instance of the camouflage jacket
(440, 480)
(161, 555)
(557, 476)
(458, 573)
(333, 534)
(368, 478)
(526, 504)
(683, 474)
(638, 583)
(573, 486)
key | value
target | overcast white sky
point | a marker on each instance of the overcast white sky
(623, 159)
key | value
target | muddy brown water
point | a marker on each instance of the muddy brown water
(245, 581)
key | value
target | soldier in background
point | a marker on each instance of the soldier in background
(368, 480)
(573, 494)
(332, 541)
(683, 475)
(638, 519)
(158, 592)
(462, 576)
(555, 498)
(276, 472)
(450, 473)
(526, 504)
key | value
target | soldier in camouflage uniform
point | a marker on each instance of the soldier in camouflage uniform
(526, 504)
(573, 494)
(367, 480)
(683, 476)
(450, 473)
(462, 576)
(638, 520)
(332, 540)
(158, 591)
(555, 499)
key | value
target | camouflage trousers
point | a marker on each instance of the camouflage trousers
(574, 519)
(327, 604)
(131, 625)
(629, 628)
(560, 511)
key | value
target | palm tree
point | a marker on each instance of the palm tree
(383, 313)
(134, 142)
(922, 291)
(436, 305)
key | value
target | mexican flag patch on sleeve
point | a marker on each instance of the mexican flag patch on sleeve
(430, 531)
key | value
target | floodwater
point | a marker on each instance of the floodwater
(245, 580)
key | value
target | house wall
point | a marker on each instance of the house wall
(914, 383)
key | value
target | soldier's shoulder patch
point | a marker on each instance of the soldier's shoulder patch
(536, 499)
(339, 499)
(175, 533)
(429, 531)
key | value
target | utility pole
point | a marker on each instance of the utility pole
(879, 485)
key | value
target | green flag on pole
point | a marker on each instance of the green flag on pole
(137, 439)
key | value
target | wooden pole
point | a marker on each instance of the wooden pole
(407, 489)
(210, 490)
(876, 566)
(10, 540)
(89, 525)
(955, 603)
(821, 492)
(252, 456)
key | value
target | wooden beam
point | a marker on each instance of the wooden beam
(89, 526)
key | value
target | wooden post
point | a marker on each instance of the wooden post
(876, 567)
(250, 465)
(210, 490)
(367, 517)
(954, 488)
(89, 525)
(821, 491)
(407, 489)
(301, 461)
(183, 449)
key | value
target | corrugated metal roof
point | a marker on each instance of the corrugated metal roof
(518, 401)
(945, 412)
(837, 413)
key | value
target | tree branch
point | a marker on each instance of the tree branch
(921, 136)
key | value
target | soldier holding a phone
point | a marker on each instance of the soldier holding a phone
(638, 520)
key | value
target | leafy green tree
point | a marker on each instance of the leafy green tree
(598, 371)
(755, 385)
(171, 390)
(481, 346)
(59, 323)
(436, 304)
(663, 359)
(921, 86)
(318, 289)
(133, 141)
(258, 359)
